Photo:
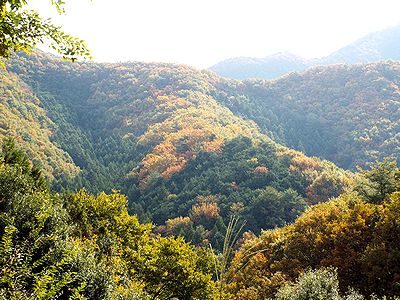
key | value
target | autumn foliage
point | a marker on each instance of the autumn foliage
(357, 238)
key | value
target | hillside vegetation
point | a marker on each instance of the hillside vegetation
(159, 133)
(357, 234)
(156, 181)
(81, 246)
(23, 118)
(346, 114)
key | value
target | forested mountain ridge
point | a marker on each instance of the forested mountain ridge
(159, 133)
(164, 182)
(374, 47)
(269, 67)
(23, 118)
(348, 114)
(77, 245)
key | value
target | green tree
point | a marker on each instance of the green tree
(23, 30)
(11, 155)
(33, 232)
(380, 182)
(271, 208)
(171, 268)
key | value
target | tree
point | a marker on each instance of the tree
(377, 184)
(23, 30)
(271, 208)
(319, 284)
(33, 234)
(174, 269)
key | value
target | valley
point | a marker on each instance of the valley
(194, 152)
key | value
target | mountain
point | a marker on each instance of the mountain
(373, 47)
(161, 134)
(77, 245)
(268, 67)
(190, 149)
(196, 154)
(348, 114)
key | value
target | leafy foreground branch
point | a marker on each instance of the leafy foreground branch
(23, 30)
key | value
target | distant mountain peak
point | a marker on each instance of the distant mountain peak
(377, 46)
(268, 67)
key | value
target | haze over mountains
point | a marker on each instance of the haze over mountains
(382, 45)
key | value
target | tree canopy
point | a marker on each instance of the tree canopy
(81, 246)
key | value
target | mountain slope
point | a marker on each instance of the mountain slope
(373, 47)
(167, 135)
(268, 67)
(356, 234)
(23, 119)
(346, 114)
(377, 46)
(159, 133)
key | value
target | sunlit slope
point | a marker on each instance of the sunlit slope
(23, 119)
(160, 134)
(347, 114)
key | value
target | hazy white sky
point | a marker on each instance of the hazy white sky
(202, 33)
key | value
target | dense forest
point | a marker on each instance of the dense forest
(346, 114)
(23, 118)
(80, 246)
(356, 233)
(76, 245)
(212, 164)
(160, 134)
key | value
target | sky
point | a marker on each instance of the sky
(202, 33)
